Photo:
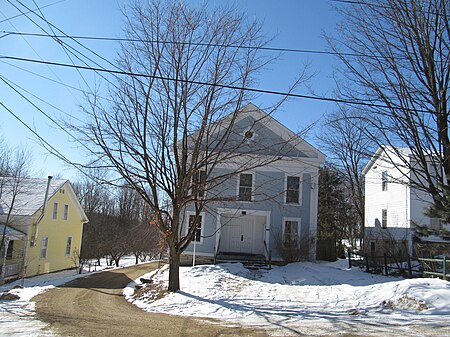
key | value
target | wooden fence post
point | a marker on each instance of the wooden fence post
(367, 262)
(409, 266)
(385, 264)
(444, 268)
(349, 258)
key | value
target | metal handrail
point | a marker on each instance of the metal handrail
(269, 254)
(217, 250)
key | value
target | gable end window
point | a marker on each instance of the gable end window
(198, 229)
(44, 246)
(55, 211)
(66, 212)
(245, 187)
(384, 181)
(384, 218)
(292, 190)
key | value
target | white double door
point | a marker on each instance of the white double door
(243, 234)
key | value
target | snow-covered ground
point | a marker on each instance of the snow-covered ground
(17, 318)
(306, 298)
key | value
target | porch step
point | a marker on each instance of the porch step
(256, 266)
(250, 261)
(238, 257)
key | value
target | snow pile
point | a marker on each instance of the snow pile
(300, 297)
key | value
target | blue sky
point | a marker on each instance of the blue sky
(296, 24)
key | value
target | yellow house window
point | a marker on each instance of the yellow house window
(68, 245)
(66, 212)
(55, 211)
(44, 247)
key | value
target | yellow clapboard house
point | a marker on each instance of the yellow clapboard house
(41, 226)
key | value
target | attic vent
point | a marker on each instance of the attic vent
(248, 134)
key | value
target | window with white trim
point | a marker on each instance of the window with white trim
(68, 245)
(384, 218)
(55, 211)
(245, 187)
(66, 212)
(199, 183)
(198, 230)
(44, 246)
(292, 190)
(291, 229)
(384, 181)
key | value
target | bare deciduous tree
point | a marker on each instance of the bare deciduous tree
(188, 70)
(396, 56)
(345, 140)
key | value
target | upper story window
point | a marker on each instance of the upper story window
(245, 187)
(198, 228)
(384, 181)
(199, 183)
(292, 190)
(384, 218)
(55, 211)
(66, 212)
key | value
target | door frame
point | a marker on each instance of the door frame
(238, 212)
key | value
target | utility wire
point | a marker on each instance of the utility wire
(54, 81)
(32, 11)
(119, 39)
(55, 151)
(261, 91)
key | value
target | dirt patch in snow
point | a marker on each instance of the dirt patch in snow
(406, 302)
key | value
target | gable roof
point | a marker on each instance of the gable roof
(10, 232)
(29, 194)
(389, 151)
(297, 146)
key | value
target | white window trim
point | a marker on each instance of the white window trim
(300, 189)
(53, 211)
(66, 214)
(202, 224)
(71, 242)
(299, 228)
(252, 198)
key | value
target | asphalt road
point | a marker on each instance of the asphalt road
(94, 306)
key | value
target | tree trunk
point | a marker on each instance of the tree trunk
(174, 270)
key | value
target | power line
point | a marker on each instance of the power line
(54, 81)
(226, 86)
(32, 10)
(118, 39)
(55, 151)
